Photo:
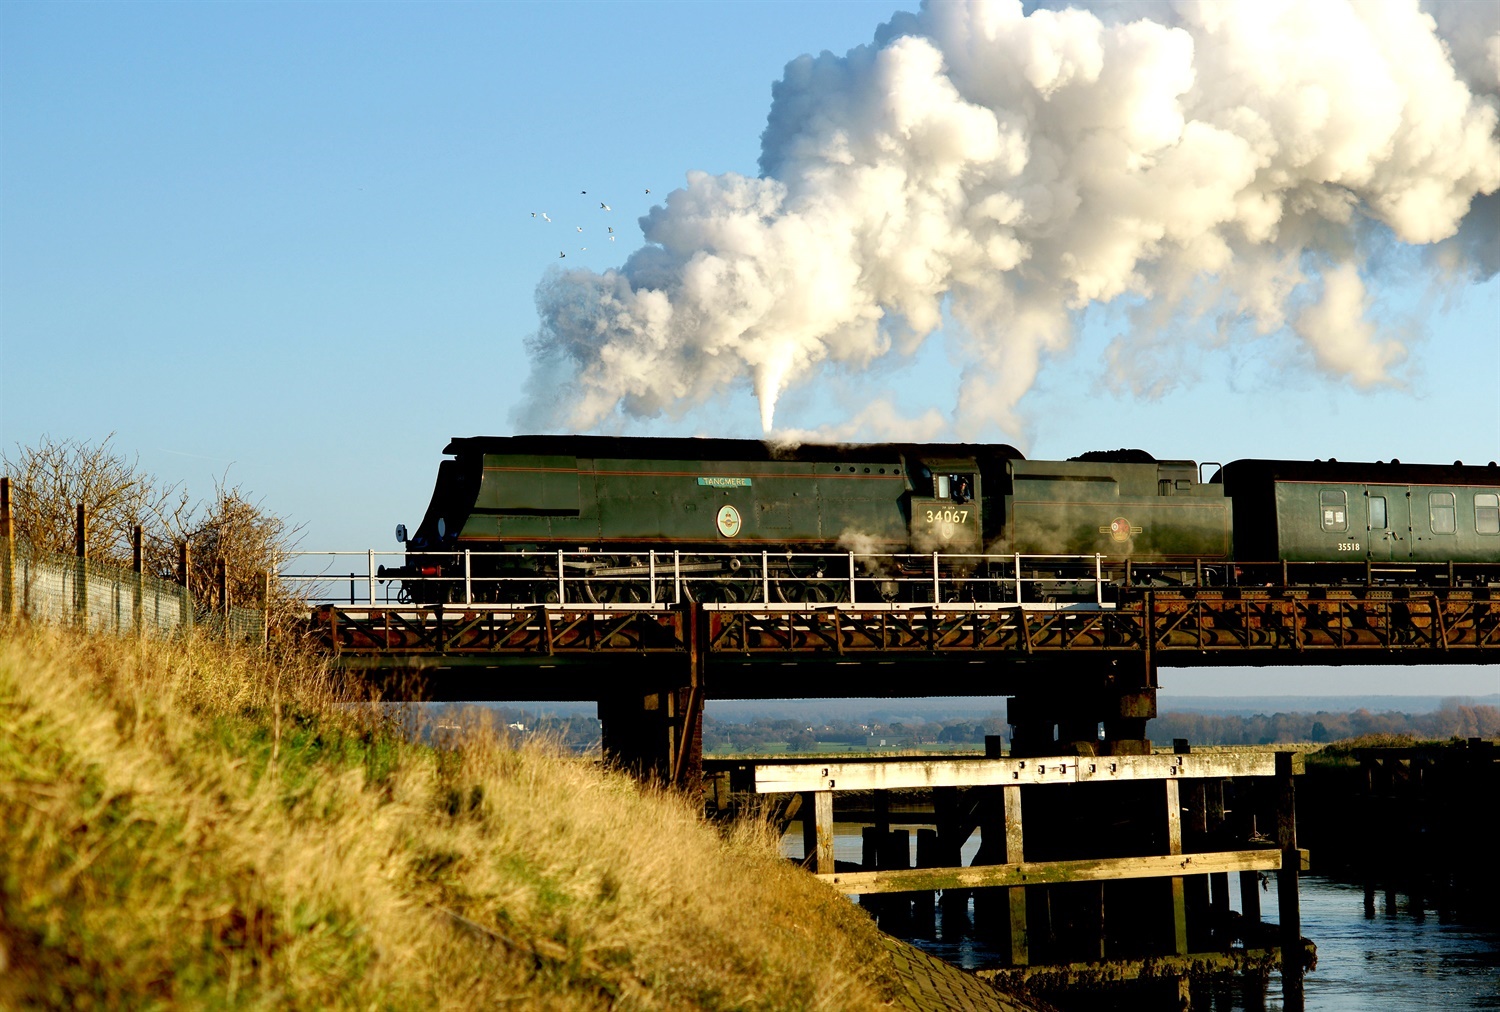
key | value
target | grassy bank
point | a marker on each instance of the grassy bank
(185, 826)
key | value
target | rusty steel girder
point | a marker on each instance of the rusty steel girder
(1179, 628)
(1337, 619)
(437, 632)
(923, 631)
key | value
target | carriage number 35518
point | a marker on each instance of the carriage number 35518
(947, 516)
(1348, 546)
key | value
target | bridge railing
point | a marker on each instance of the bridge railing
(726, 581)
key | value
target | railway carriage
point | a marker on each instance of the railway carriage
(1399, 522)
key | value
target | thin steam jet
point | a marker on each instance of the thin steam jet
(1224, 169)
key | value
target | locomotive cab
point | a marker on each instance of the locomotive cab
(945, 506)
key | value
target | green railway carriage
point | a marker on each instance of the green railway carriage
(1383, 513)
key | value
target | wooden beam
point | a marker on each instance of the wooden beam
(1020, 943)
(821, 816)
(777, 778)
(1046, 872)
(1287, 899)
(1174, 847)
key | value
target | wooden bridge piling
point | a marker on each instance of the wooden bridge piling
(1092, 883)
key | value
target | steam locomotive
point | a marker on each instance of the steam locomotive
(515, 518)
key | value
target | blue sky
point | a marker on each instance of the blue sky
(294, 241)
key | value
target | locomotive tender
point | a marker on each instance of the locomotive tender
(746, 520)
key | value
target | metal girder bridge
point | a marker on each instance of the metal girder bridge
(1077, 675)
(1180, 628)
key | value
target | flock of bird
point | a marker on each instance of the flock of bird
(602, 206)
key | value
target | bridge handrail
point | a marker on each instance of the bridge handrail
(658, 578)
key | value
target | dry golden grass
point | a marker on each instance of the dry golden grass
(190, 827)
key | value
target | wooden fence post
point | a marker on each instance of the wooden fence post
(138, 567)
(265, 607)
(7, 553)
(222, 578)
(185, 574)
(81, 568)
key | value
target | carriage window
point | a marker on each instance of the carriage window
(1333, 503)
(1443, 512)
(1377, 512)
(1487, 513)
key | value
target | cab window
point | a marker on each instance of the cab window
(1487, 513)
(1377, 512)
(1333, 503)
(1442, 512)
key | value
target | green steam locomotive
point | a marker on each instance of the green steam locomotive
(630, 519)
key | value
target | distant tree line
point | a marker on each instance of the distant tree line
(1455, 718)
(764, 734)
(577, 732)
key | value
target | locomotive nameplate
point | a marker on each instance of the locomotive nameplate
(715, 481)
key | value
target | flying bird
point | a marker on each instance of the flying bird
(544, 216)
(533, 214)
(583, 191)
(561, 254)
(604, 207)
(611, 238)
(610, 227)
(648, 191)
(580, 228)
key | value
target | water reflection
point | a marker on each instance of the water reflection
(1377, 949)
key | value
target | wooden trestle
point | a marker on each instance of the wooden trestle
(1040, 884)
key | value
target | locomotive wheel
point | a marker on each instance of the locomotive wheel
(799, 591)
(616, 591)
(714, 591)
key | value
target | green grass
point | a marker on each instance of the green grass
(186, 826)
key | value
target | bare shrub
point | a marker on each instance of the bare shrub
(50, 479)
(248, 539)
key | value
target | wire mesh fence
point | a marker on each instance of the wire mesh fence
(48, 587)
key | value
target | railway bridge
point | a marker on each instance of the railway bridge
(1074, 645)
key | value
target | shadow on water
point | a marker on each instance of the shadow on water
(1391, 953)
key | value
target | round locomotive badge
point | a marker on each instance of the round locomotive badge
(1120, 529)
(729, 521)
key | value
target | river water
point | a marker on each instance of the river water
(1386, 955)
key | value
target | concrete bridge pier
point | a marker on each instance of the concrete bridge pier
(1086, 706)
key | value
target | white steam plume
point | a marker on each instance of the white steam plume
(1234, 161)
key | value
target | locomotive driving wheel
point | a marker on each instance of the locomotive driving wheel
(617, 591)
(809, 585)
(721, 591)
